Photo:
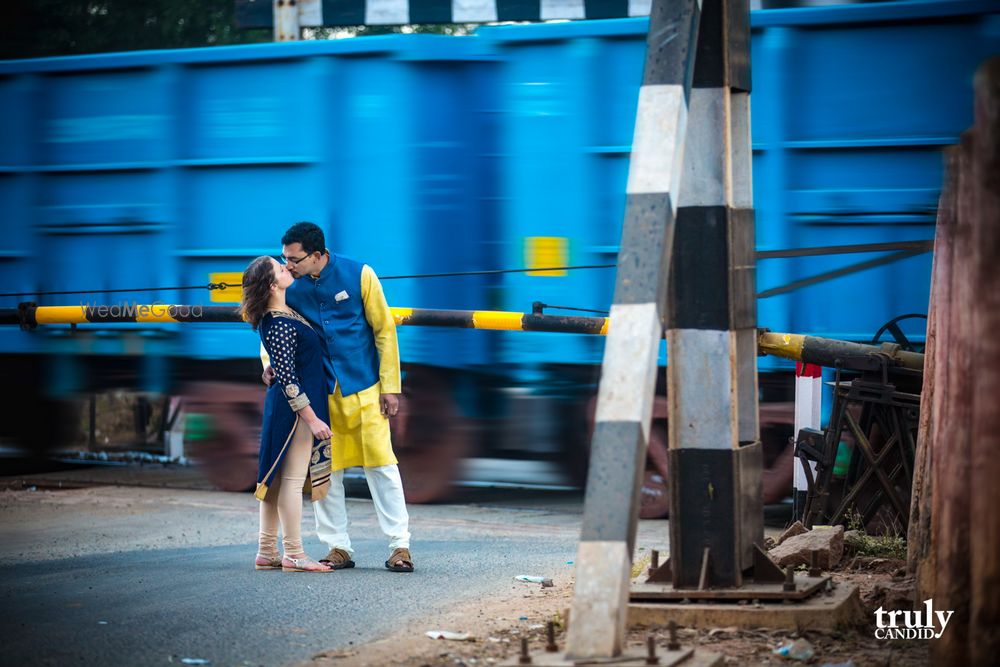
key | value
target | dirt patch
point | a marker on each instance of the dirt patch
(497, 625)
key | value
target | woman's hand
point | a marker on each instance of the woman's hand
(319, 429)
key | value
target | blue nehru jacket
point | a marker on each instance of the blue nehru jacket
(333, 306)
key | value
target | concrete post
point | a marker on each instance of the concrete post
(628, 381)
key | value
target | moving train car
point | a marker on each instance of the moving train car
(424, 154)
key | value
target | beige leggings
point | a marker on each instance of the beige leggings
(284, 499)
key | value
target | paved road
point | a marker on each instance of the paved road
(127, 602)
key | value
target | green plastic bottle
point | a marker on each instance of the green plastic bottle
(843, 460)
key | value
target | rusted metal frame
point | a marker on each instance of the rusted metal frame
(887, 412)
(857, 486)
(875, 503)
(900, 435)
(818, 494)
(800, 588)
(866, 449)
(765, 570)
(910, 443)
(838, 273)
(892, 419)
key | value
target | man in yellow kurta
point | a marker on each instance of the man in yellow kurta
(342, 299)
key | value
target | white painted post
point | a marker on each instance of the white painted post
(808, 414)
(174, 436)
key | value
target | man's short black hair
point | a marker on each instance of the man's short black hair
(309, 235)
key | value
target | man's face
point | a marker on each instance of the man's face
(299, 262)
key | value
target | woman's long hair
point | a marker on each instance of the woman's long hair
(257, 281)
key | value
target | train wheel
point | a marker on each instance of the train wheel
(223, 432)
(428, 437)
(654, 499)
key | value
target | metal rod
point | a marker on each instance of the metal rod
(29, 316)
(789, 585)
(827, 352)
(809, 349)
(814, 570)
(673, 644)
(525, 658)
(550, 631)
(651, 658)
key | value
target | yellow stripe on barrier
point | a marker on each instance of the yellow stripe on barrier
(785, 345)
(400, 315)
(604, 327)
(497, 320)
(61, 315)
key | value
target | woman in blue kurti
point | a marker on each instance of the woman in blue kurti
(295, 437)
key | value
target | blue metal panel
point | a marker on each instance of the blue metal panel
(102, 118)
(422, 154)
(253, 111)
(448, 187)
(16, 108)
(567, 108)
(851, 110)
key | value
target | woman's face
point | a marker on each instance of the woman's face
(282, 278)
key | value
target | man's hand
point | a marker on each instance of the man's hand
(267, 377)
(389, 403)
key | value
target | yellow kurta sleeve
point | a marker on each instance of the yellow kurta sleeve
(265, 359)
(384, 326)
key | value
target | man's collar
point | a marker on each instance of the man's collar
(329, 263)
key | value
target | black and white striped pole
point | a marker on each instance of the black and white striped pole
(265, 13)
(715, 455)
(628, 378)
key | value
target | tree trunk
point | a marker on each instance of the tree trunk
(950, 463)
(984, 540)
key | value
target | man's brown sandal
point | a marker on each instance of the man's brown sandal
(338, 559)
(400, 561)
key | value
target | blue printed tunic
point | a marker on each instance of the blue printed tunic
(296, 353)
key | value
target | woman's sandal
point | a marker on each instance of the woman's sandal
(400, 561)
(303, 564)
(267, 562)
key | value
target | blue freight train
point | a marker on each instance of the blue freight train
(427, 154)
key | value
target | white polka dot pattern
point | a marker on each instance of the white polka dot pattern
(280, 341)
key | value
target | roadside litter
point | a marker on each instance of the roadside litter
(452, 636)
(532, 579)
(800, 649)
